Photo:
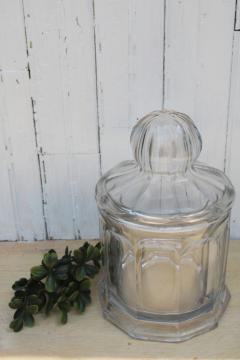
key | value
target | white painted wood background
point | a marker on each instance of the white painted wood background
(75, 75)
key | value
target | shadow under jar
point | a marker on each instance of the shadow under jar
(165, 230)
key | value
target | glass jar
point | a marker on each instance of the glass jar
(165, 231)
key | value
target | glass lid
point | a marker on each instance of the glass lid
(164, 182)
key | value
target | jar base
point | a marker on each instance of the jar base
(167, 328)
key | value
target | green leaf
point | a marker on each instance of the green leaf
(34, 286)
(80, 305)
(73, 296)
(64, 305)
(80, 273)
(90, 251)
(66, 251)
(38, 272)
(78, 255)
(16, 324)
(71, 287)
(20, 284)
(85, 245)
(51, 301)
(34, 300)
(18, 313)
(51, 284)
(91, 270)
(43, 301)
(20, 294)
(96, 253)
(33, 309)
(85, 285)
(99, 245)
(85, 297)
(61, 272)
(50, 259)
(64, 317)
(28, 319)
(61, 298)
(16, 303)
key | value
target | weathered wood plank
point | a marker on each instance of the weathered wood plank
(69, 182)
(62, 62)
(23, 167)
(129, 44)
(198, 64)
(22, 217)
(85, 172)
(61, 54)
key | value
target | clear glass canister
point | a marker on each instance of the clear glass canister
(165, 231)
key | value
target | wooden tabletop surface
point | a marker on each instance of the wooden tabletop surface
(89, 336)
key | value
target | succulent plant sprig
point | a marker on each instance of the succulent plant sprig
(61, 283)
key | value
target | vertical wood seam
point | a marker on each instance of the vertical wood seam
(96, 84)
(164, 54)
(13, 201)
(35, 127)
(237, 14)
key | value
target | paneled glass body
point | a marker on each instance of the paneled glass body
(165, 231)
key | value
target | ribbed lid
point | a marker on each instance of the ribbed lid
(165, 142)
(164, 184)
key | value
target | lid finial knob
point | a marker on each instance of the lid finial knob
(165, 142)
